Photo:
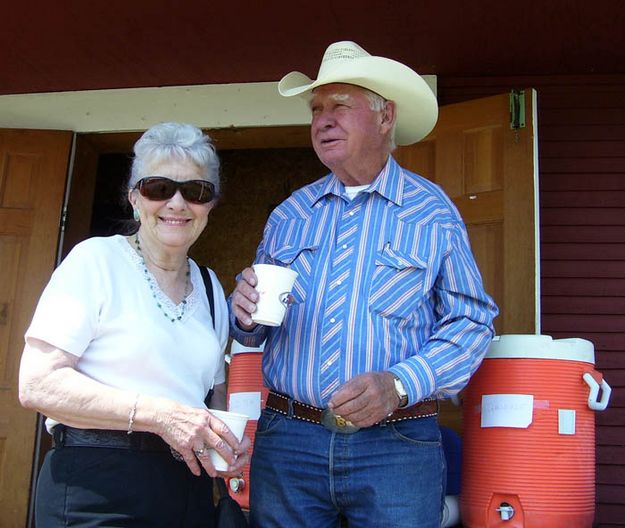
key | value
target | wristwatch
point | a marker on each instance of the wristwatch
(401, 392)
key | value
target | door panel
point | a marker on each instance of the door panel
(33, 170)
(488, 170)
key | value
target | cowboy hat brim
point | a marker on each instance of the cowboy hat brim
(417, 109)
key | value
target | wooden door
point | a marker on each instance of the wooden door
(488, 170)
(33, 171)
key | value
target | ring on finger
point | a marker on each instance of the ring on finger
(200, 452)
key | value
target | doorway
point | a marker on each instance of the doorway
(262, 166)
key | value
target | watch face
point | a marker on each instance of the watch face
(401, 392)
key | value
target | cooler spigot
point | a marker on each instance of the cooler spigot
(237, 484)
(505, 511)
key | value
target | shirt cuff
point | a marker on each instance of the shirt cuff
(251, 338)
(417, 378)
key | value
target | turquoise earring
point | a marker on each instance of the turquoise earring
(136, 214)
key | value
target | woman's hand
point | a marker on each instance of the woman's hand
(244, 299)
(192, 432)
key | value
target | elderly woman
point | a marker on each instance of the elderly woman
(122, 351)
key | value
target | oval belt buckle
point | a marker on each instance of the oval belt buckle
(336, 423)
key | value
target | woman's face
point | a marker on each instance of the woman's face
(174, 223)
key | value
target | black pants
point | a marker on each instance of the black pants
(105, 487)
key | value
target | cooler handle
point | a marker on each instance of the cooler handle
(606, 390)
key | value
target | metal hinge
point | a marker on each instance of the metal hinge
(64, 219)
(517, 109)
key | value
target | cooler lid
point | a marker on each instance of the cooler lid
(541, 347)
(238, 348)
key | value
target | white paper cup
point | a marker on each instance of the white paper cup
(274, 286)
(236, 423)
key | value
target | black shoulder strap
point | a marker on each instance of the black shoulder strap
(208, 284)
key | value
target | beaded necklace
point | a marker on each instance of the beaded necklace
(152, 283)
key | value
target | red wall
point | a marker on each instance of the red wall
(581, 138)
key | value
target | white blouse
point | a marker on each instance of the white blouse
(99, 306)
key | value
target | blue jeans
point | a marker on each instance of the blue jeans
(389, 476)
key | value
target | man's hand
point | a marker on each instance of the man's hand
(366, 399)
(244, 299)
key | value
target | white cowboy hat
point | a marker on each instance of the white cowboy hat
(346, 62)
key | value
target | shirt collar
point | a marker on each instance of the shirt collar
(389, 183)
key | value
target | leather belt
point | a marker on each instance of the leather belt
(282, 404)
(65, 436)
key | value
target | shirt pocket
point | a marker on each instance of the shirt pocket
(398, 285)
(299, 258)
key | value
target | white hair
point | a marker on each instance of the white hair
(167, 141)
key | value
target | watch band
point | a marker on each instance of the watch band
(401, 392)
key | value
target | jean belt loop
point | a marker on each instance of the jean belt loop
(290, 415)
(59, 437)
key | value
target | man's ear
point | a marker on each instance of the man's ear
(388, 115)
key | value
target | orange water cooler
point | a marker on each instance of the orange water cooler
(246, 395)
(528, 456)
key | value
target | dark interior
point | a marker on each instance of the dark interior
(253, 182)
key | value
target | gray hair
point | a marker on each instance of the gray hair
(170, 141)
(376, 103)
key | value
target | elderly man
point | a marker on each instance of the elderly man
(388, 313)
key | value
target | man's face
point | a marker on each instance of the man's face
(346, 133)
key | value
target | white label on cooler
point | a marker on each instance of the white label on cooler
(247, 403)
(507, 410)
(566, 421)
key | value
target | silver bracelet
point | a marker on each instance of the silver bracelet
(131, 416)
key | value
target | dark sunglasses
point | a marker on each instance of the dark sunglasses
(158, 188)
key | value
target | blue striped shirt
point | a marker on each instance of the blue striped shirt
(410, 299)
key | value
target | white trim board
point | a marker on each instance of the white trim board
(206, 106)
